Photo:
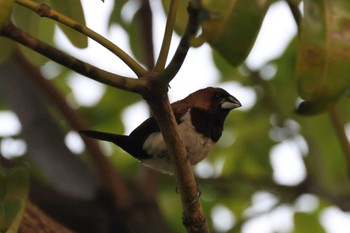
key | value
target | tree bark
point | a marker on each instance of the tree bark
(36, 221)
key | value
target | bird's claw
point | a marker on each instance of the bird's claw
(198, 194)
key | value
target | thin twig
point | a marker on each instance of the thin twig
(338, 125)
(11, 31)
(45, 11)
(169, 27)
(175, 64)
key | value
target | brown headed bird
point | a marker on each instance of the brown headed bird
(200, 118)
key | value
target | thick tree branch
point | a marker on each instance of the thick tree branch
(35, 220)
(193, 216)
(11, 31)
(44, 10)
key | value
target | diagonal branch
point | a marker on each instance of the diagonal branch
(44, 10)
(11, 31)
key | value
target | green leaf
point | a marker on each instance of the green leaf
(14, 192)
(136, 36)
(74, 10)
(181, 16)
(304, 223)
(323, 58)
(5, 9)
(116, 16)
(233, 26)
(30, 22)
(17, 184)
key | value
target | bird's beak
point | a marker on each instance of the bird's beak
(230, 103)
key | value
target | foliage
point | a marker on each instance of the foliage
(301, 99)
(14, 191)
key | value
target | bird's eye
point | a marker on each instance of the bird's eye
(217, 96)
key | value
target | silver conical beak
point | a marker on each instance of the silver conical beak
(231, 103)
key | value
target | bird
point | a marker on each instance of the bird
(200, 117)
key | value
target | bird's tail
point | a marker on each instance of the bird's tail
(127, 143)
(102, 135)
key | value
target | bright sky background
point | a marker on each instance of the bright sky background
(277, 30)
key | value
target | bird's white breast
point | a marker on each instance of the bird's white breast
(196, 144)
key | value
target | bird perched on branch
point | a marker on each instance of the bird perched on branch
(200, 118)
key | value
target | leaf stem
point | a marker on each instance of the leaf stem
(169, 27)
(44, 10)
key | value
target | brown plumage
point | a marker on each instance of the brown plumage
(200, 117)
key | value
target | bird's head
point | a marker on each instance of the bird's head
(213, 99)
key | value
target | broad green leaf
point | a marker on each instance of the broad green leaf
(325, 161)
(136, 36)
(233, 26)
(9, 210)
(304, 222)
(14, 188)
(181, 16)
(17, 184)
(5, 9)
(116, 15)
(74, 10)
(31, 23)
(323, 58)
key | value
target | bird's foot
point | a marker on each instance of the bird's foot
(188, 154)
(196, 198)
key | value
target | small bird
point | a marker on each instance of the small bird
(200, 118)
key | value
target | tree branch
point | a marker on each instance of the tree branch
(44, 10)
(35, 220)
(110, 178)
(175, 64)
(169, 27)
(11, 31)
(193, 216)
